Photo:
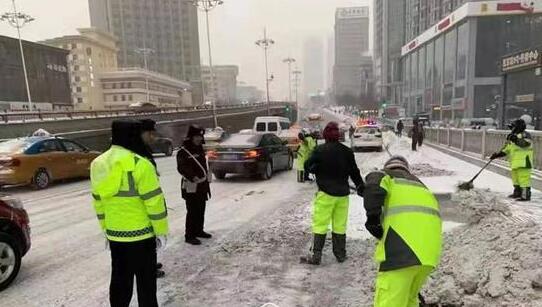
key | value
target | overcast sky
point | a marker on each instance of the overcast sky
(235, 27)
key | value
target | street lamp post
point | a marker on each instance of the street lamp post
(266, 43)
(289, 60)
(146, 52)
(296, 73)
(206, 6)
(19, 20)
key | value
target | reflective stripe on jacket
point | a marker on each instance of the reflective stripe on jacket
(520, 157)
(412, 226)
(128, 200)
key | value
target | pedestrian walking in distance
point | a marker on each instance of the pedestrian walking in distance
(421, 134)
(399, 128)
(333, 164)
(131, 210)
(192, 165)
(415, 134)
(404, 216)
(519, 150)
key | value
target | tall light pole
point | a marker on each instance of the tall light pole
(206, 6)
(289, 60)
(266, 43)
(296, 73)
(145, 52)
(19, 20)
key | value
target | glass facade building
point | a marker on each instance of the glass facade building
(457, 74)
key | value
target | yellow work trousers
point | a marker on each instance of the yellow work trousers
(332, 210)
(522, 177)
(400, 288)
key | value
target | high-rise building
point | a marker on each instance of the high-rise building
(93, 51)
(169, 28)
(225, 83)
(313, 66)
(389, 37)
(351, 51)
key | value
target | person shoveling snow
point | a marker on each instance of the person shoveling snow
(405, 217)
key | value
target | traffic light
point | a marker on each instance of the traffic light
(287, 109)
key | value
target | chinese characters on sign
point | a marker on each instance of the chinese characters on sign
(55, 67)
(353, 12)
(522, 60)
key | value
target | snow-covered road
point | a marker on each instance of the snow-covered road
(260, 229)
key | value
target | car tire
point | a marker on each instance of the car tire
(169, 151)
(379, 149)
(290, 162)
(41, 179)
(9, 249)
(268, 171)
(220, 175)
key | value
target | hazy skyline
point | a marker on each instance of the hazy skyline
(235, 26)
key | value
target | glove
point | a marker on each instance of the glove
(161, 243)
(497, 155)
(360, 190)
(513, 138)
(375, 230)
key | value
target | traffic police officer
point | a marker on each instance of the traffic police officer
(131, 211)
(307, 146)
(519, 150)
(404, 216)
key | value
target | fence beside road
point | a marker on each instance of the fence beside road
(479, 142)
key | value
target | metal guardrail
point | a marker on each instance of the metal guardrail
(18, 117)
(480, 142)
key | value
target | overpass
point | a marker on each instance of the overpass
(92, 128)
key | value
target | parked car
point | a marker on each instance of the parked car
(368, 136)
(38, 161)
(162, 145)
(14, 238)
(250, 154)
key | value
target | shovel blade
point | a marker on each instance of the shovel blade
(466, 186)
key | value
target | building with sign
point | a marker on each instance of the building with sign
(523, 85)
(351, 51)
(452, 70)
(128, 86)
(91, 52)
(47, 69)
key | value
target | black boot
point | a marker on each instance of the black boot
(193, 241)
(339, 247)
(525, 194)
(517, 192)
(315, 255)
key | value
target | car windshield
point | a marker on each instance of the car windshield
(246, 140)
(14, 146)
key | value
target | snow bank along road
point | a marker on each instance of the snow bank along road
(262, 227)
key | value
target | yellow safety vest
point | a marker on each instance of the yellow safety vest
(128, 200)
(517, 156)
(412, 226)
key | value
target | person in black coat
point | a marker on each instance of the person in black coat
(192, 165)
(415, 134)
(399, 128)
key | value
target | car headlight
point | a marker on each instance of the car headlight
(13, 202)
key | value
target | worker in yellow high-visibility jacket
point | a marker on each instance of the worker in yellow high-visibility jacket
(519, 151)
(131, 209)
(405, 217)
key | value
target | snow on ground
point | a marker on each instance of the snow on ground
(262, 227)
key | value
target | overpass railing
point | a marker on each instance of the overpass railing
(18, 117)
(479, 142)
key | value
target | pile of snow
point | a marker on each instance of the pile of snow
(427, 170)
(494, 260)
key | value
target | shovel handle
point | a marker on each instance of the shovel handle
(481, 170)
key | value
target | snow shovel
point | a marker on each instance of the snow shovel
(467, 186)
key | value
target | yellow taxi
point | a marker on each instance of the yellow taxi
(40, 160)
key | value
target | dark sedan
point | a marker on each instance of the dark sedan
(163, 145)
(250, 154)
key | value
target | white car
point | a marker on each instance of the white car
(367, 137)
